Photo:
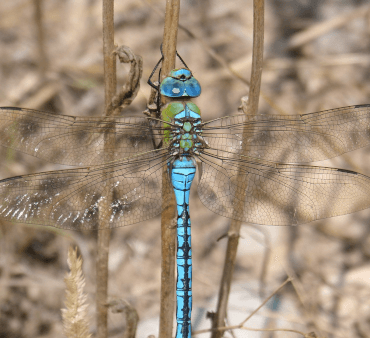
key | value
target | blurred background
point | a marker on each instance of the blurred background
(316, 57)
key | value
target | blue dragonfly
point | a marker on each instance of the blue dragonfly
(249, 169)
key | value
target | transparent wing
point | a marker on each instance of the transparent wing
(279, 194)
(98, 197)
(292, 138)
(73, 140)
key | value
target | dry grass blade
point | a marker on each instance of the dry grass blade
(74, 315)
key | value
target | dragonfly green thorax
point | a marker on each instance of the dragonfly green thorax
(183, 130)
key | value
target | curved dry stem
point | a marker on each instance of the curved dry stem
(130, 89)
(130, 316)
(218, 319)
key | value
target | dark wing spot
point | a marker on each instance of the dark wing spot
(28, 127)
(81, 135)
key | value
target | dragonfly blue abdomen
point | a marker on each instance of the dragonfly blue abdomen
(182, 175)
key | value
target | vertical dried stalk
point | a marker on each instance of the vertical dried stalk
(40, 37)
(251, 108)
(257, 58)
(110, 82)
(104, 235)
(168, 221)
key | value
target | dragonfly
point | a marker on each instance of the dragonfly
(251, 169)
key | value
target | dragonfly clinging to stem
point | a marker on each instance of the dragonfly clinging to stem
(262, 183)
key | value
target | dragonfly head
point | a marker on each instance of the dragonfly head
(180, 83)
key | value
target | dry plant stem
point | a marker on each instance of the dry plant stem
(171, 23)
(257, 57)
(252, 108)
(132, 319)
(104, 235)
(168, 220)
(110, 82)
(119, 101)
(40, 37)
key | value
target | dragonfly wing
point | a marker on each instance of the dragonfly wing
(97, 197)
(73, 140)
(279, 194)
(292, 138)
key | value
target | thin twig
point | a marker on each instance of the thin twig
(266, 300)
(222, 329)
(42, 58)
(168, 220)
(104, 235)
(251, 107)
